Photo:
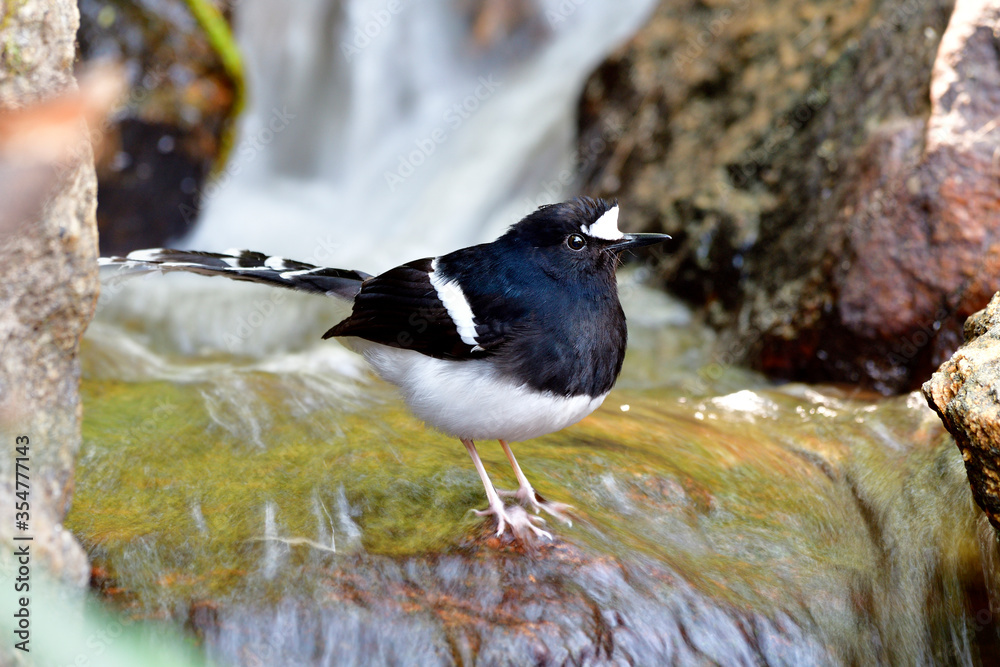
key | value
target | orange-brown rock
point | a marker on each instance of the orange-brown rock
(964, 393)
(831, 176)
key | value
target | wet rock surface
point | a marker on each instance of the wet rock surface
(287, 519)
(964, 394)
(830, 175)
(48, 284)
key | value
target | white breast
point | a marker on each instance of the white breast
(467, 399)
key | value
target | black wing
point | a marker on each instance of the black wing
(402, 308)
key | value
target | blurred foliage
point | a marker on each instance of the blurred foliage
(221, 38)
(68, 627)
(178, 122)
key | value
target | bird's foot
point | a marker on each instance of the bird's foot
(529, 498)
(521, 523)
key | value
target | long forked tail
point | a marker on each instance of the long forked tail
(245, 265)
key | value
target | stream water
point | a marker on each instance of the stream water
(288, 510)
(258, 487)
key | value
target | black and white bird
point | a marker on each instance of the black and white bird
(507, 341)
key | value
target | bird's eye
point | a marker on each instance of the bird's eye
(575, 242)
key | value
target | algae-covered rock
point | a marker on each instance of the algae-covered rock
(288, 516)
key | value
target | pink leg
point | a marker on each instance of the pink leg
(526, 493)
(519, 520)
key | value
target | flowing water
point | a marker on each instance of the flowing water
(258, 487)
(288, 510)
(421, 140)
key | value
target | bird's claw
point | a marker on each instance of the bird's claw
(520, 522)
(529, 498)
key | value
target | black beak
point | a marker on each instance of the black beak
(633, 241)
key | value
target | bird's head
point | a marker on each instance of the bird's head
(579, 236)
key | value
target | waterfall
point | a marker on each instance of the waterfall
(377, 132)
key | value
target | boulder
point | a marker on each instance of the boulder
(964, 394)
(48, 275)
(830, 175)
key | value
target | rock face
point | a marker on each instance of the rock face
(831, 175)
(964, 393)
(48, 287)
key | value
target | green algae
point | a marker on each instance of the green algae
(246, 487)
(797, 501)
(152, 453)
